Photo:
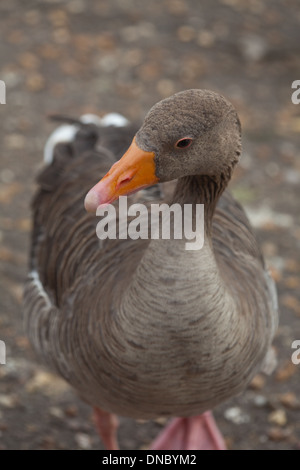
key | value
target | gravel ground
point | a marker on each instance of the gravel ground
(83, 56)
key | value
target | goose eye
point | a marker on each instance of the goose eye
(183, 143)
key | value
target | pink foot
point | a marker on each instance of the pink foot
(107, 425)
(195, 433)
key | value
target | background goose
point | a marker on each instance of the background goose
(147, 328)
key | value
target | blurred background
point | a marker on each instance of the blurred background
(80, 56)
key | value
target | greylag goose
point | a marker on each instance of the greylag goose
(146, 328)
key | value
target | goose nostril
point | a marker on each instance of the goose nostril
(123, 181)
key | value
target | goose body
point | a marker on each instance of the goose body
(146, 328)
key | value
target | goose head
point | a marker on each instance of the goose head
(194, 132)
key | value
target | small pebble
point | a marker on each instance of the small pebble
(290, 400)
(71, 411)
(56, 412)
(83, 441)
(278, 417)
(8, 401)
(260, 400)
(236, 416)
(46, 383)
(161, 421)
(257, 382)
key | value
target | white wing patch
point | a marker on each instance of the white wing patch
(67, 132)
(114, 119)
(91, 119)
(64, 133)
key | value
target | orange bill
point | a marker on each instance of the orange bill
(134, 171)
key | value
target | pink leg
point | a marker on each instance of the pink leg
(107, 425)
(195, 433)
